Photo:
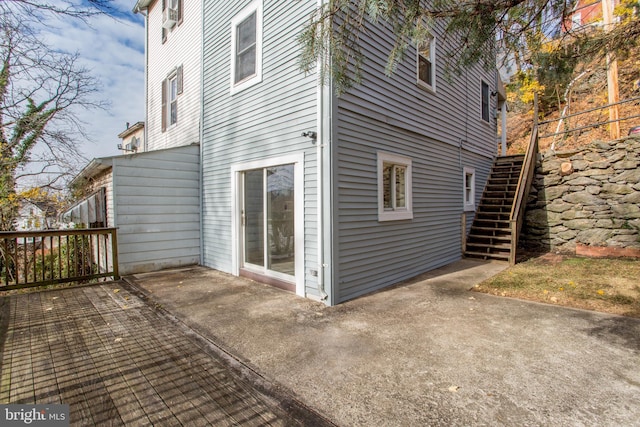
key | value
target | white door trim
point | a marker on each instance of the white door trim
(236, 209)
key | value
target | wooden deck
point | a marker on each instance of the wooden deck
(116, 361)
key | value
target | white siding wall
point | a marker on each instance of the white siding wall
(441, 132)
(156, 198)
(183, 46)
(262, 121)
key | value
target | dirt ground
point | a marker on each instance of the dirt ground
(605, 285)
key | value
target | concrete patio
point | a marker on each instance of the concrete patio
(426, 352)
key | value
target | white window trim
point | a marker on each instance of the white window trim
(488, 121)
(399, 213)
(469, 205)
(254, 6)
(432, 58)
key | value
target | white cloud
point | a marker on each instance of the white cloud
(113, 49)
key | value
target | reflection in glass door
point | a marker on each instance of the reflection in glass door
(268, 219)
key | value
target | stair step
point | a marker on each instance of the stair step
(510, 157)
(505, 175)
(488, 215)
(479, 227)
(483, 239)
(503, 181)
(487, 255)
(488, 206)
(489, 246)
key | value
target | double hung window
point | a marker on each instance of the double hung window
(246, 47)
(426, 64)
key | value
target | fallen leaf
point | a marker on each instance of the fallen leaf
(115, 291)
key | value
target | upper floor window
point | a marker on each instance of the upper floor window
(394, 187)
(171, 88)
(171, 16)
(246, 47)
(426, 63)
(173, 100)
(485, 101)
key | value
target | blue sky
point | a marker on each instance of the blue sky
(112, 47)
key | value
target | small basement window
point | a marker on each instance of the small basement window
(469, 177)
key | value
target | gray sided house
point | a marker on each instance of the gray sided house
(153, 199)
(334, 196)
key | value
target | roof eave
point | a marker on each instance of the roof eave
(141, 4)
(94, 167)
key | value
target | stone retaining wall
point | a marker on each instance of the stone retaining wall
(589, 197)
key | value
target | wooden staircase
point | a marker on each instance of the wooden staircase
(491, 236)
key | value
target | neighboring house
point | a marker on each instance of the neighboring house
(36, 216)
(173, 73)
(133, 139)
(330, 196)
(586, 14)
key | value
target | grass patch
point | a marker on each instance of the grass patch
(607, 285)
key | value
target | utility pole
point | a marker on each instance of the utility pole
(612, 75)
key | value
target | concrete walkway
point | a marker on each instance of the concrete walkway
(427, 352)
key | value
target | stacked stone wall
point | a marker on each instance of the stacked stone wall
(586, 198)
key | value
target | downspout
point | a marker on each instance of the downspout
(201, 133)
(320, 145)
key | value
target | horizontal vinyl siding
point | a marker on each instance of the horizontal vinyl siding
(183, 46)
(158, 207)
(441, 132)
(372, 254)
(263, 121)
(451, 114)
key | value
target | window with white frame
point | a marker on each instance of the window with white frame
(485, 101)
(426, 63)
(469, 179)
(394, 187)
(246, 47)
(171, 89)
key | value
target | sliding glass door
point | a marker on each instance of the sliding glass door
(268, 221)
